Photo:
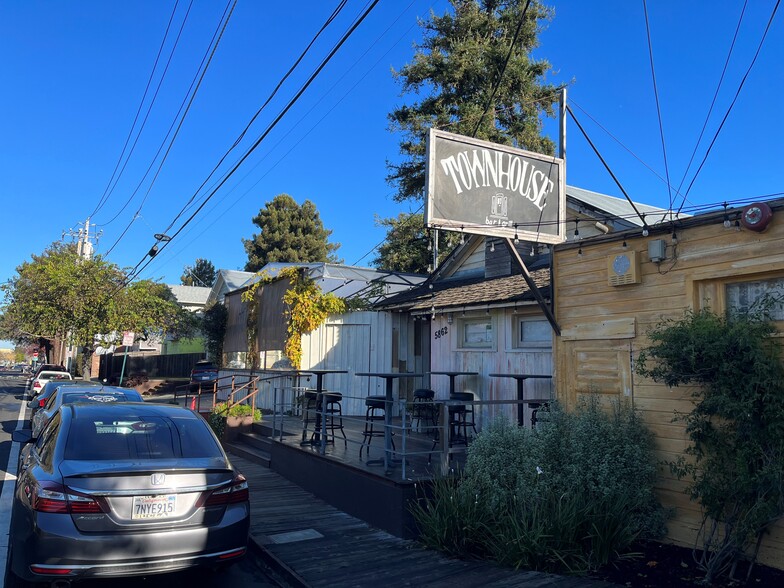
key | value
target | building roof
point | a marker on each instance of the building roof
(457, 294)
(190, 295)
(228, 281)
(620, 207)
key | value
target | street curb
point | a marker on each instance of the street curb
(274, 562)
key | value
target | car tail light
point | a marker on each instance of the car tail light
(36, 384)
(56, 498)
(41, 402)
(237, 492)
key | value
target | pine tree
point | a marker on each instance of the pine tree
(289, 233)
(454, 73)
(201, 273)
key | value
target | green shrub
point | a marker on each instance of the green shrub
(571, 496)
(219, 413)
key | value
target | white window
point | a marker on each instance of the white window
(765, 295)
(477, 333)
(532, 332)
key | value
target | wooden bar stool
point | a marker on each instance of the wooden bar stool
(376, 409)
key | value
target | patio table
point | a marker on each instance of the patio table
(389, 377)
(318, 438)
(521, 378)
(452, 375)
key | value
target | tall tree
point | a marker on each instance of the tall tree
(455, 72)
(408, 246)
(201, 273)
(288, 233)
(84, 301)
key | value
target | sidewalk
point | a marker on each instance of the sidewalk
(313, 544)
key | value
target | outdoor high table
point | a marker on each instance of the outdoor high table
(318, 438)
(521, 378)
(452, 375)
(390, 378)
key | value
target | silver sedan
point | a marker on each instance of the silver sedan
(122, 490)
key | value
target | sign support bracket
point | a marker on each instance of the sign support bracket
(533, 287)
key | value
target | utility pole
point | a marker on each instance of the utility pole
(84, 249)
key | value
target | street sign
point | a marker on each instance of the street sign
(128, 337)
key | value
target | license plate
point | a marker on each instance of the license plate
(154, 507)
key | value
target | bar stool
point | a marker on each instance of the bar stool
(467, 411)
(424, 409)
(333, 416)
(309, 411)
(376, 409)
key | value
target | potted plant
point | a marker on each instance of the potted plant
(229, 421)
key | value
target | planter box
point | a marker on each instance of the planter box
(236, 425)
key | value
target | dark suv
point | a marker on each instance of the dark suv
(205, 373)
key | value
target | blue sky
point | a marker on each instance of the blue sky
(74, 74)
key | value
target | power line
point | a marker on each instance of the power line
(336, 84)
(503, 68)
(110, 186)
(269, 129)
(715, 96)
(734, 100)
(658, 106)
(203, 67)
(239, 138)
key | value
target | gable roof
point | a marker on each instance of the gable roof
(227, 281)
(619, 208)
(190, 295)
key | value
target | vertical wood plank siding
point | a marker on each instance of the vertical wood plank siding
(604, 328)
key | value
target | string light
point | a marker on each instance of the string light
(492, 246)
(645, 232)
(727, 223)
(625, 246)
(580, 251)
(674, 236)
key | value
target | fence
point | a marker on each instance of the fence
(154, 366)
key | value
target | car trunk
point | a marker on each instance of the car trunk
(136, 495)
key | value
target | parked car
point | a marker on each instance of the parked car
(204, 372)
(49, 367)
(43, 377)
(70, 394)
(39, 400)
(125, 489)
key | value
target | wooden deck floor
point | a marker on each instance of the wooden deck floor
(325, 547)
(423, 456)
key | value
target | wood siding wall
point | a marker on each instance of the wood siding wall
(236, 337)
(604, 328)
(446, 355)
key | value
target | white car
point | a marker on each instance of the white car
(45, 376)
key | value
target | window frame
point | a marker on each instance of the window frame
(517, 331)
(464, 322)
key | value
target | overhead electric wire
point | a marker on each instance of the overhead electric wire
(715, 96)
(503, 68)
(604, 163)
(269, 129)
(337, 83)
(658, 105)
(239, 138)
(109, 186)
(200, 73)
(734, 100)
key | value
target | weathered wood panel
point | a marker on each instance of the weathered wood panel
(694, 275)
(236, 337)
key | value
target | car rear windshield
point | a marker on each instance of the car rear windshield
(71, 397)
(107, 438)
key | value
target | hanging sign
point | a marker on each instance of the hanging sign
(484, 188)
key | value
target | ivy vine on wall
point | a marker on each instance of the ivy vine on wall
(307, 308)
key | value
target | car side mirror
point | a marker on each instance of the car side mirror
(23, 436)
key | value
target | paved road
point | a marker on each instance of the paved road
(251, 572)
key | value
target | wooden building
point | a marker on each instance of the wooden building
(610, 290)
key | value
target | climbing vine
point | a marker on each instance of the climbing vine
(308, 307)
(734, 465)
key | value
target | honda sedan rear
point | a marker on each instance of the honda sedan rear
(126, 489)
